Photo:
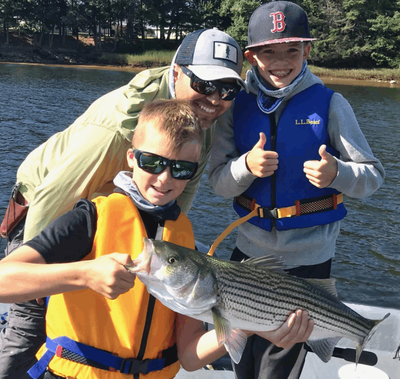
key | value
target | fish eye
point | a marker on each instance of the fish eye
(172, 260)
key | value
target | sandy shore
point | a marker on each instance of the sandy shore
(135, 69)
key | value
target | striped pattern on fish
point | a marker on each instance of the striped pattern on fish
(260, 297)
(255, 295)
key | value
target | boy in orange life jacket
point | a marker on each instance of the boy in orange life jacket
(88, 247)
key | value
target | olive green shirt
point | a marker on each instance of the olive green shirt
(82, 160)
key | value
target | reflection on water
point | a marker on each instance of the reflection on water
(38, 101)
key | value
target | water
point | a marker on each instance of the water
(38, 101)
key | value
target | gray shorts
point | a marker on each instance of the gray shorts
(24, 332)
(263, 360)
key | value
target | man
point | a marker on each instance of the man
(82, 161)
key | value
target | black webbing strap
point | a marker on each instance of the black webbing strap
(146, 330)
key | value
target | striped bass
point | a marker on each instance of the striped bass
(255, 295)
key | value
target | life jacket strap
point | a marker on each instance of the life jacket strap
(71, 350)
(300, 208)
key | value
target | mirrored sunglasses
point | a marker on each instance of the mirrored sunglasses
(227, 91)
(155, 164)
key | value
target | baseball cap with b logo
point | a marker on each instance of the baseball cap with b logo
(278, 22)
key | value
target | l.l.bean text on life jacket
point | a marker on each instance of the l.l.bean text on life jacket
(307, 122)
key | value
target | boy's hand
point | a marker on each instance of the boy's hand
(108, 276)
(321, 173)
(297, 328)
(259, 162)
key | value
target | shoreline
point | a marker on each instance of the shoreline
(136, 69)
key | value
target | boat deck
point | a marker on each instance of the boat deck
(384, 343)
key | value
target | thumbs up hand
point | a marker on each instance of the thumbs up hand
(259, 162)
(321, 173)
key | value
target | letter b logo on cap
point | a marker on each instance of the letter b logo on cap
(278, 21)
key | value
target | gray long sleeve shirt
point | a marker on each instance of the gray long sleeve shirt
(359, 174)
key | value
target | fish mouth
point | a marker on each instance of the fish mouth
(142, 264)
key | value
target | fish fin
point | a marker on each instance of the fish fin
(324, 348)
(222, 326)
(271, 262)
(234, 340)
(360, 346)
(327, 284)
(235, 344)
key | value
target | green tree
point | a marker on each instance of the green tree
(384, 43)
(206, 14)
(7, 13)
(239, 12)
(93, 14)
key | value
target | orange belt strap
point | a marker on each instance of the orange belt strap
(300, 208)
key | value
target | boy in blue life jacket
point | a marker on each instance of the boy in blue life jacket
(100, 321)
(292, 147)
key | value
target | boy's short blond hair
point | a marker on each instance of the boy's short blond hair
(174, 117)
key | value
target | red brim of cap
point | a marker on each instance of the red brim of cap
(280, 40)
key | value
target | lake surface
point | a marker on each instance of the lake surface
(38, 101)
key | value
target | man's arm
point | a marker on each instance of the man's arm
(90, 159)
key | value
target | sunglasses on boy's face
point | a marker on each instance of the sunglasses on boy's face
(227, 91)
(155, 164)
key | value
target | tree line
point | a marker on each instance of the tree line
(350, 33)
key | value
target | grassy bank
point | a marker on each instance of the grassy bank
(383, 75)
(68, 51)
(153, 58)
(159, 58)
(164, 57)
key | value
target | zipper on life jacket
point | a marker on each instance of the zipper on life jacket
(273, 131)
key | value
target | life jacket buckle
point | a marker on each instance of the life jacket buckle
(265, 212)
(136, 366)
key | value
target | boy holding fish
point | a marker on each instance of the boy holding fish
(288, 149)
(100, 321)
(82, 161)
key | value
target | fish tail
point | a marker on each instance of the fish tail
(360, 346)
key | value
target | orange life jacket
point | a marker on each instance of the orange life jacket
(116, 325)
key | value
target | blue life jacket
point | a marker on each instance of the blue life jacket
(301, 130)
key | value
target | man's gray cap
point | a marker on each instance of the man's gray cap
(211, 55)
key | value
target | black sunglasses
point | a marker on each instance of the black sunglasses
(227, 91)
(155, 164)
